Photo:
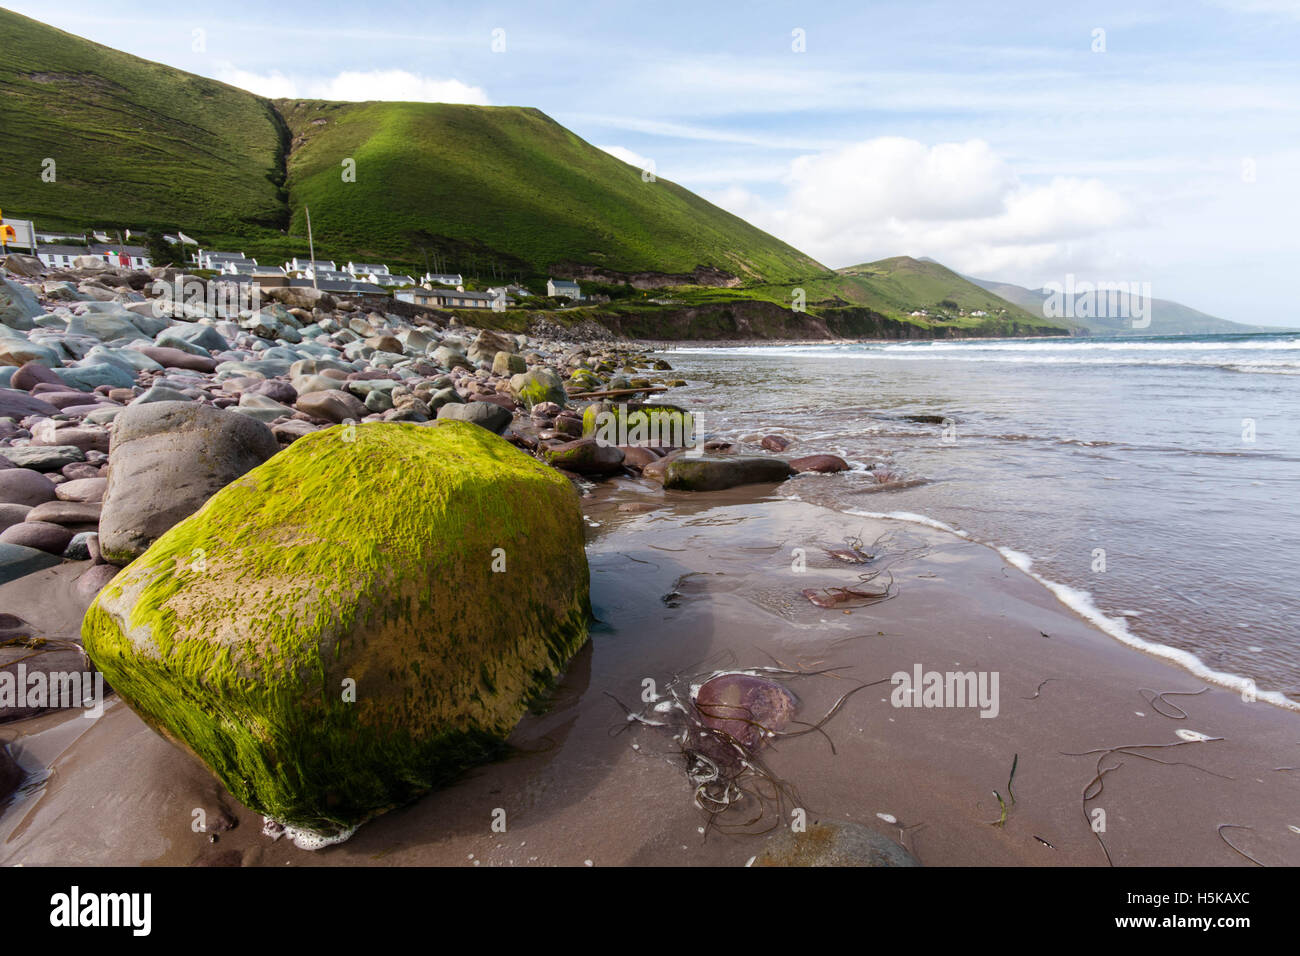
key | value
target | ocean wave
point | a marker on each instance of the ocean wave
(1081, 603)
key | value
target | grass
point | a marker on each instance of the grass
(474, 186)
(134, 143)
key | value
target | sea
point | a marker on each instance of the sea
(1153, 484)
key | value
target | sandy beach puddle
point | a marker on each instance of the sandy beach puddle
(688, 585)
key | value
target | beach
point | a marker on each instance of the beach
(702, 582)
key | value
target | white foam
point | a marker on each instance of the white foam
(1082, 604)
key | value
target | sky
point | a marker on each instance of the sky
(1138, 142)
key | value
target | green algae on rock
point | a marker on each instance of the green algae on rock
(354, 621)
(538, 385)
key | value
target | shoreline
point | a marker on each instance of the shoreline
(585, 784)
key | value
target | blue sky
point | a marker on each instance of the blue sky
(1015, 142)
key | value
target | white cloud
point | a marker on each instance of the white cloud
(356, 86)
(629, 157)
(959, 203)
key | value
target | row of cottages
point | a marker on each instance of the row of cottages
(450, 299)
(127, 257)
(232, 264)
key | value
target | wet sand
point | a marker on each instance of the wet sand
(586, 785)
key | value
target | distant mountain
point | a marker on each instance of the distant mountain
(1167, 318)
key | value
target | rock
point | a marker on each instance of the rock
(17, 264)
(86, 438)
(40, 535)
(333, 405)
(449, 358)
(586, 456)
(308, 594)
(777, 443)
(160, 393)
(11, 775)
(167, 459)
(825, 464)
(21, 486)
(93, 580)
(275, 389)
(66, 512)
(484, 414)
(301, 297)
(18, 405)
(17, 560)
(178, 358)
(32, 374)
(507, 363)
(262, 407)
(487, 345)
(107, 327)
(833, 843)
(87, 378)
(744, 707)
(637, 456)
(79, 548)
(18, 306)
(43, 457)
(20, 352)
(11, 514)
(197, 339)
(714, 474)
(539, 384)
(292, 430)
(81, 489)
(378, 401)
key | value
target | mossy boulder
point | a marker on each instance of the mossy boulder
(586, 380)
(636, 424)
(365, 554)
(539, 384)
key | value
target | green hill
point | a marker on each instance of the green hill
(134, 143)
(482, 190)
(509, 185)
(902, 285)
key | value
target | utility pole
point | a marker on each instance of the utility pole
(311, 248)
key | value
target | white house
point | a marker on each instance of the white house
(445, 298)
(211, 259)
(361, 268)
(386, 278)
(442, 278)
(300, 266)
(563, 289)
(126, 257)
(319, 273)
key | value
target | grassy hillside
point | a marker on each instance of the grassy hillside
(135, 143)
(139, 144)
(504, 184)
(1167, 318)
